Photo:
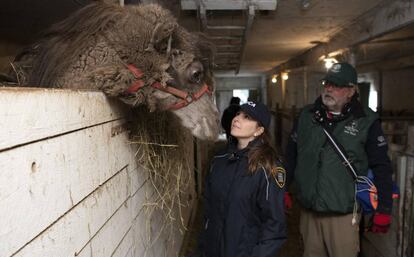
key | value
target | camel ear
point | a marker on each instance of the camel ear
(162, 36)
(163, 31)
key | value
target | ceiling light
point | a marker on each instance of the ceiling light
(329, 62)
(305, 4)
(285, 76)
(274, 79)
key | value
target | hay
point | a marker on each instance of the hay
(15, 77)
(165, 152)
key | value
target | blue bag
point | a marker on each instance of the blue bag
(366, 192)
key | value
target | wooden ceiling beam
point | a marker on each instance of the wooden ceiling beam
(387, 17)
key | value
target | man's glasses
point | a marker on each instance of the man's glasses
(326, 83)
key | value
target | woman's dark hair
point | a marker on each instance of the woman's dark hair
(262, 155)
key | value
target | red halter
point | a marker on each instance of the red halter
(186, 97)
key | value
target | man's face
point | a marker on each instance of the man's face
(335, 97)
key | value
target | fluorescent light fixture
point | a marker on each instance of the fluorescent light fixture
(305, 4)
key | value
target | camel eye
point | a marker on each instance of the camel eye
(196, 76)
(195, 72)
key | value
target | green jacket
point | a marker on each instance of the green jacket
(324, 183)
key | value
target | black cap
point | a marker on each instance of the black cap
(258, 112)
(342, 75)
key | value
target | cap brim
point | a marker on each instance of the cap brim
(337, 81)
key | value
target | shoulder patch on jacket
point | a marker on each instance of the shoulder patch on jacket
(279, 175)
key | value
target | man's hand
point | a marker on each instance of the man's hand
(288, 201)
(380, 223)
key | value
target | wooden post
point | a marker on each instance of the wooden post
(278, 127)
(380, 93)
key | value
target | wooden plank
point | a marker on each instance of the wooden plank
(132, 241)
(388, 64)
(40, 182)
(126, 246)
(70, 186)
(71, 235)
(228, 5)
(386, 17)
(30, 114)
(110, 236)
(147, 242)
(408, 205)
(126, 242)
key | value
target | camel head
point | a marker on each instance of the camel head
(138, 54)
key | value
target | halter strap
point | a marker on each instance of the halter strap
(186, 97)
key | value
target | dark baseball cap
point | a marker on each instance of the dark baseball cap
(342, 75)
(258, 112)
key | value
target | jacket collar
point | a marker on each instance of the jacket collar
(232, 146)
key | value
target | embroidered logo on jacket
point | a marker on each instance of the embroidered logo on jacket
(381, 141)
(279, 175)
(352, 128)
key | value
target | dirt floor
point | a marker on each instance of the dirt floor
(293, 246)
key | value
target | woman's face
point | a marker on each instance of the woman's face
(244, 127)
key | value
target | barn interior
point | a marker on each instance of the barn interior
(276, 52)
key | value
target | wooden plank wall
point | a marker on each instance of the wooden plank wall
(69, 183)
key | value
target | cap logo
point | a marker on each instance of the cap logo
(251, 104)
(336, 68)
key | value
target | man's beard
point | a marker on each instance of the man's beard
(328, 100)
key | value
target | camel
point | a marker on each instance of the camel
(137, 54)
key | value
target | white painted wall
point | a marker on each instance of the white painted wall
(70, 184)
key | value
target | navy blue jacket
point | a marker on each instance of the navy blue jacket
(244, 213)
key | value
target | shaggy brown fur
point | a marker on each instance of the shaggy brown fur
(91, 50)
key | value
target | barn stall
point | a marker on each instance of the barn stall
(375, 35)
(75, 182)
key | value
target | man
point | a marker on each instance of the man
(325, 187)
(229, 113)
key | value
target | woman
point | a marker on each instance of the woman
(244, 211)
